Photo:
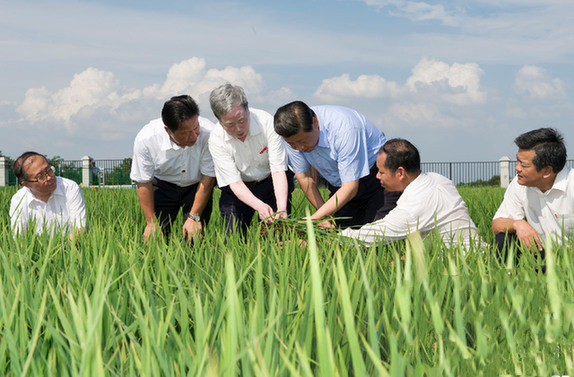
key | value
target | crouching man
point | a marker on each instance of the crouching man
(52, 203)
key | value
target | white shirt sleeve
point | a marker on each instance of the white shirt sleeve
(76, 206)
(512, 206)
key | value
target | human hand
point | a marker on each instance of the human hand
(266, 213)
(527, 235)
(192, 228)
(150, 230)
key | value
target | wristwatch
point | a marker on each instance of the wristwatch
(193, 217)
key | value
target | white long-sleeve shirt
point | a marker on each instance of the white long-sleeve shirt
(430, 201)
(64, 211)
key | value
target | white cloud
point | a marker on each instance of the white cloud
(94, 89)
(457, 83)
(535, 83)
(418, 115)
(366, 86)
(421, 11)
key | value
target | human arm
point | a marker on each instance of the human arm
(281, 192)
(339, 199)
(192, 227)
(76, 210)
(246, 196)
(145, 196)
(524, 231)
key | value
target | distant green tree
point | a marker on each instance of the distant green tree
(120, 174)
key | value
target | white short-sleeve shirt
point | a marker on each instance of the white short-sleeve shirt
(252, 160)
(429, 202)
(155, 155)
(547, 212)
(64, 211)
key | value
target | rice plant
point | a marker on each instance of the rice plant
(269, 305)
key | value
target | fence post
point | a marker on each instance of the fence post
(86, 171)
(504, 171)
(3, 171)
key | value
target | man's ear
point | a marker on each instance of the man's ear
(547, 171)
(402, 174)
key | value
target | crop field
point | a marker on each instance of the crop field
(266, 305)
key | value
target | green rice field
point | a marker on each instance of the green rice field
(110, 305)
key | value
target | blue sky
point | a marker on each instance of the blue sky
(459, 79)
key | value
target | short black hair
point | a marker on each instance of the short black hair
(289, 119)
(177, 110)
(18, 168)
(548, 146)
(401, 153)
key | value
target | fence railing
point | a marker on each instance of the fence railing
(90, 172)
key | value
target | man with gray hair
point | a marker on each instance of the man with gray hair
(52, 203)
(249, 159)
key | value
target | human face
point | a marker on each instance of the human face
(390, 182)
(187, 132)
(526, 172)
(41, 178)
(236, 122)
(305, 141)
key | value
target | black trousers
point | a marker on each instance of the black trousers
(371, 203)
(504, 241)
(238, 215)
(169, 198)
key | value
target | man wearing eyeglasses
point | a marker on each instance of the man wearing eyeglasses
(173, 169)
(51, 203)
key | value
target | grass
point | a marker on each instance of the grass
(112, 305)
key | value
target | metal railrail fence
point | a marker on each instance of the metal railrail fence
(117, 172)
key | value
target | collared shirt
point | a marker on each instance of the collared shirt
(155, 155)
(347, 148)
(252, 160)
(547, 212)
(429, 202)
(64, 211)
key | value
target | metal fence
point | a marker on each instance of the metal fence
(117, 172)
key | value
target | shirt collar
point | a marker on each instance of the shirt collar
(323, 134)
(561, 181)
(167, 143)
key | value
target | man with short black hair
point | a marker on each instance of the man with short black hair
(539, 202)
(428, 202)
(173, 168)
(52, 203)
(342, 145)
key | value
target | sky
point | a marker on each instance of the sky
(460, 80)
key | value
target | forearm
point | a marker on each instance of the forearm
(503, 225)
(309, 187)
(341, 197)
(245, 195)
(145, 196)
(202, 195)
(280, 188)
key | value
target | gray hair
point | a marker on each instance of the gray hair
(223, 98)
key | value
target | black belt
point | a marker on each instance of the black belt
(255, 183)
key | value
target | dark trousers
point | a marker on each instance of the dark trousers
(371, 203)
(503, 243)
(238, 215)
(169, 198)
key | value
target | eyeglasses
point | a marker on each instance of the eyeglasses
(42, 176)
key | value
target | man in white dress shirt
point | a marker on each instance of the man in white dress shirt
(250, 161)
(539, 202)
(428, 202)
(173, 168)
(54, 204)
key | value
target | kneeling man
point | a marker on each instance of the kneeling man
(52, 203)
(428, 201)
